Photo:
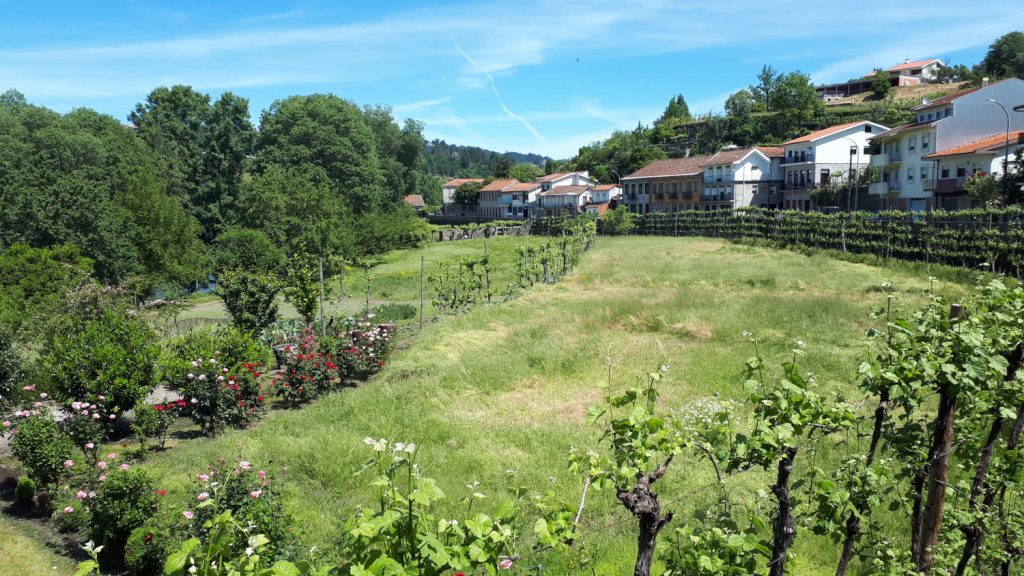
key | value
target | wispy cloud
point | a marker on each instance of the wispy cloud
(501, 101)
(402, 109)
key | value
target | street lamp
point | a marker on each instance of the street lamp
(1006, 159)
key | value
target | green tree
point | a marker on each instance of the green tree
(1005, 56)
(796, 100)
(768, 81)
(740, 104)
(250, 298)
(33, 285)
(525, 172)
(880, 84)
(468, 194)
(12, 98)
(246, 249)
(302, 281)
(331, 134)
(502, 165)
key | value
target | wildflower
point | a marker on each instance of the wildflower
(262, 474)
(69, 510)
(101, 465)
(111, 456)
(89, 445)
(103, 477)
(29, 388)
(256, 493)
(505, 564)
(202, 477)
(244, 465)
(187, 514)
(69, 463)
(43, 395)
(203, 496)
(81, 495)
(191, 376)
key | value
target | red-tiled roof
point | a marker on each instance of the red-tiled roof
(727, 156)
(566, 191)
(824, 132)
(600, 208)
(414, 200)
(914, 64)
(671, 167)
(772, 151)
(499, 185)
(993, 143)
(605, 187)
(950, 97)
(460, 181)
(522, 187)
(557, 175)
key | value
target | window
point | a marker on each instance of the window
(961, 172)
(910, 174)
(931, 116)
(867, 128)
(912, 144)
(945, 172)
(865, 151)
(924, 142)
(924, 173)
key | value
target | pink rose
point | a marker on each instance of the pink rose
(90, 445)
(103, 477)
(203, 496)
(69, 510)
(256, 493)
(7, 423)
(111, 456)
(81, 495)
(244, 465)
(69, 463)
(101, 465)
(124, 466)
(187, 514)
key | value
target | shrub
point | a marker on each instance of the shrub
(388, 313)
(248, 250)
(71, 514)
(307, 372)
(145, 550)
(218, 396)
(303, 279)
(24, 491)
(10, 370)
(617, 222)
(231, 346)
(104, 357)
(250, 298)
(43, 449)
(153, 420)
(363, 350)
(250, 495)
(125, 501)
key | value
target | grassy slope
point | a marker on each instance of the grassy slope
(507, 387)
(22, 552)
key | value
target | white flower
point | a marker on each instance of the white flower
(213, 360)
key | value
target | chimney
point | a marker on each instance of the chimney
(984, 82)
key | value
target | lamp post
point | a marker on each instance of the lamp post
(854, 149)
(1006, 158)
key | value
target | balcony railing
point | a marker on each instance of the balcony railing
(798, 158)
(950, 186)
(716, 197)
(878, 188)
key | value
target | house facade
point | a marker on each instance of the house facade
(508, 199)
(743, 177)
(814, 160)
(922, 70)
(665, 185)
(913, 155)
(550, 181)
(565, 200)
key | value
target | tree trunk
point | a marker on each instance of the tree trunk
(643, 503)
(938, 475)
(975, 533)
(784, 530)
(852, 521)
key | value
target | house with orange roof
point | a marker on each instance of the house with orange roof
(926, 70)
(665, 185)
(819, 158)
(508, 199)
(735, 177)
(924, 164)
(563, 200)
(549, 181)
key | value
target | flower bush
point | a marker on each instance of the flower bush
(43, 449)
(363, 349)
(218, 396)
(86, 424)
(125, 500)
(231, 346)
(153, 420)
(307, 372)
(10, 371)
(250, 494)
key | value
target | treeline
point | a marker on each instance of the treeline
(158, 202)
(454, 161)
(775, 108)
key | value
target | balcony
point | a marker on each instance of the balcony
(798, 158)
(949, 186)
(882, 188)
(725, 197)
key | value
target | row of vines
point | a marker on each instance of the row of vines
(993, 239)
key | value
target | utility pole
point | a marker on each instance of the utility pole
(321, 295)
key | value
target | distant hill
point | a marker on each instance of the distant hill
(452, 160)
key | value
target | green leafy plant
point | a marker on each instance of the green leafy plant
(125, 500)
(219, 396)
(43, 449)
(250, 298)
(24, 491)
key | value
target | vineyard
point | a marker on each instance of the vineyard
(989, 239)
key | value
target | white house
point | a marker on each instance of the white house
(912, 158)
(744, 177)
(954, 166)
(550, 181)
(814, 160)
(605, 193)
(563, 200)
(924, 70)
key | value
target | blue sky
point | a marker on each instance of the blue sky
(543, 76)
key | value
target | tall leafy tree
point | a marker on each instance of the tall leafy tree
(1005, 56)
(330, 133)
(768, 81)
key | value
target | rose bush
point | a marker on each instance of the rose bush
(307, 371)
(362, 349)
(219, 397)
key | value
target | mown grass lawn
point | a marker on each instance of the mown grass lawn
(23, 554)
(506, 387)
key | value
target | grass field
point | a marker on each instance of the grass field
(506, 387)
(23, 554)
